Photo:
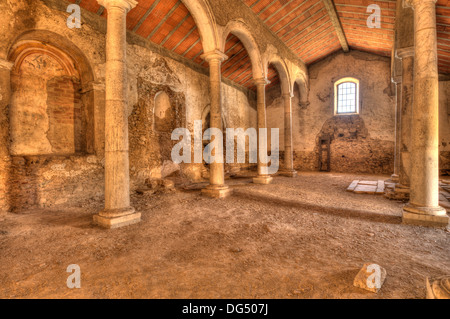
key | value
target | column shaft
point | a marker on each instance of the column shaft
(217, 177)
(288, 169)
(216, 187)
(118, 211)
(423, 207)
(405, 118)
(263, 177)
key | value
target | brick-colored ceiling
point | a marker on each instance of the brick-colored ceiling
(168, 23)
(306, 28)
(303, 25)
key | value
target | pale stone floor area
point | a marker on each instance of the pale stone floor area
(296, 238)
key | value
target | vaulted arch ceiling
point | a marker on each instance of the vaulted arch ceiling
(307, 29)
(169, 23)
(304, 26)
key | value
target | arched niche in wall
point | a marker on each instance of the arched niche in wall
(46, 108)
(169, 113)
(48, 113)
(164, 115)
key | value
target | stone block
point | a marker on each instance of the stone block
(116, 222)
(352, 186)
(365, 189)
(438, 288)
(263, 180)
(217, 192)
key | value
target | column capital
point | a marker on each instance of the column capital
(214, 55)
(404, 52)
(5, 64)
(262, 81)
(413, 3)
(123, 4)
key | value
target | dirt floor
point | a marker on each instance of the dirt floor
(296, 238)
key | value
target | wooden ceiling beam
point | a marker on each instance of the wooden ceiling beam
(329, 6)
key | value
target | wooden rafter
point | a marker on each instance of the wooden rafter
(329, 6)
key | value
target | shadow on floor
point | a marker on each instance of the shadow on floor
(327, 210)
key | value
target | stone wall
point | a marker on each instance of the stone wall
(444, 126)
(361, 143)
(68, 169)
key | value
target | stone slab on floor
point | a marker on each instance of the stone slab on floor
(367, 187)
(372, 183)
(352, 186)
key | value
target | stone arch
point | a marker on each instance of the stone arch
(47, 81)
(206, 23)
(242, 31)
(80, 61)
(283, 73)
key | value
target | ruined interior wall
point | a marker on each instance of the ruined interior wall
(5, 90)
(53, 179)
(361, 143)
(444, 126)
(45, 108)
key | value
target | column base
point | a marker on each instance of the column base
(117, 218)
(214, 191)
(425, 216)
(395, 178)
(438, 288)
(397, 192)
(263, 179)
(288, 173)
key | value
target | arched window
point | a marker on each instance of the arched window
(346, 96)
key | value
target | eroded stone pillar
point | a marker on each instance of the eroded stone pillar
(216, 187)
(5, 159)
(398, 109)
(263, 177)
(423, 208)
(288, 169)
(407, 85)
(118, 211)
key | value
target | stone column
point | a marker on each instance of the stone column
(93, 93)
(288, 169)
(398, 111)
(5, 159)
(407, 85)
(118, 211)
(263, 177)
(217, 187)
(423, 208)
